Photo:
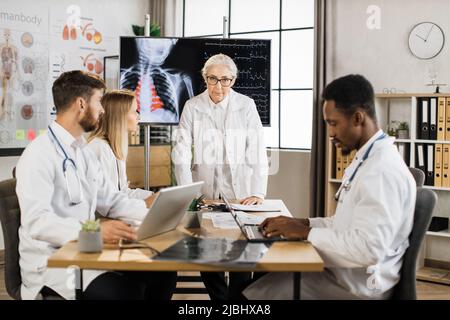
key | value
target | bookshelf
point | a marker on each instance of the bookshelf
(401, 107)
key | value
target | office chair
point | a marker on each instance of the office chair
(10, 220)
(418, 175)
(405, 289)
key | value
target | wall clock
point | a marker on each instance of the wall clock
(426, 40)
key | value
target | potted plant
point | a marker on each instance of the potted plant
(90, 237)
(191, 218)
(403, 130)
(155, 30)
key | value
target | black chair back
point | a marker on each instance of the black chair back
(425, 202)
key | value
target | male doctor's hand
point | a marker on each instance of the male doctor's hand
(251, 200)
(289, 228)
(114, 230)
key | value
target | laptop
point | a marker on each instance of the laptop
(251, 232)
(168, 209)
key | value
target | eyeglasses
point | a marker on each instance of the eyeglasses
(225, 82)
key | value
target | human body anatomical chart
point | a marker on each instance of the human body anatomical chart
(23, 74)
(37, 44)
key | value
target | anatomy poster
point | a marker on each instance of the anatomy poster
(37, 44)
(23, 74)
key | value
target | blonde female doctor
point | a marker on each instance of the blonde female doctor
(109, 141)
(220, 141)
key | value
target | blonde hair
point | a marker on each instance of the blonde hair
(112, 126)
(220, 59)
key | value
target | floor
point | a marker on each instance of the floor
(425, 290)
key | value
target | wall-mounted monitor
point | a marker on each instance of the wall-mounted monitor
(166, 72)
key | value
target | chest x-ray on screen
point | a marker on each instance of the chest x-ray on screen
(161, 89)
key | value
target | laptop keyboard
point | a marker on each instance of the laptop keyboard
(253, 232)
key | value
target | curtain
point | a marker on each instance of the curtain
(319, 139)
(168, 14)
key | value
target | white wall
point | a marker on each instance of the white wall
(384, 58)
(291, 182)
(122, 14)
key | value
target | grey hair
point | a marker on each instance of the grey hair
(220, 59)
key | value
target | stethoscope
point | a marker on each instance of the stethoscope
(347, 184)
(66, 165)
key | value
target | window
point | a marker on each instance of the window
(290, 26)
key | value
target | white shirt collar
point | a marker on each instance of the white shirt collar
(223, 104)
(66, 138)
(364, 148)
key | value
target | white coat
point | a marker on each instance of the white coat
(48, 220)
(363, 244)
(194, 154)
(115, 169)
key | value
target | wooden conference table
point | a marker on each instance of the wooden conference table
(282, 256)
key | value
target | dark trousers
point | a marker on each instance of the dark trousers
(219, 290)
(132, 285)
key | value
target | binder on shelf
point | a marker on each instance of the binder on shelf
(433, 118)
(447, 119)
(351, 156)
(420, 158)
(403, 149)
(423, 119)
(344, 163)
(445, 165)
(438, 165)
(339, 170)
(441, 119)
(429, 177)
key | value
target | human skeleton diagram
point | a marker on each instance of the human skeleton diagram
(8, 54)
(159, 90)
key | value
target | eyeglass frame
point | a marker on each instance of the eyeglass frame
(217, 80)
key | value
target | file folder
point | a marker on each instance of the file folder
(344, 163)
(445, 166)
(420, 158)
(339, 169)
(438, 165)
(423, 119)
(441, 119)
(429, 178)
(402, 150)
(447, 120)
(433, 119)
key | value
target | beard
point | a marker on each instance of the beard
(88, 122)
(346, 150)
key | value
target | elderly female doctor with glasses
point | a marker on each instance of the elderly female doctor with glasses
(220, 139)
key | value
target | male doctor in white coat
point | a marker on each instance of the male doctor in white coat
(363, 244)
(60, 183)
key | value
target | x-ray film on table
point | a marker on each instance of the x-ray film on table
(214, 251)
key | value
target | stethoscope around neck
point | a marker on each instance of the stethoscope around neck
(347, 183)
(67, 165)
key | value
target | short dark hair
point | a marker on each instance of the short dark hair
(72, 85)
(350, 93)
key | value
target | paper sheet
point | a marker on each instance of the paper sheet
(224, 220)
(256, 207)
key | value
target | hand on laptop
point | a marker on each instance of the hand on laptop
(149, 200)
(251, 200)
(114, 230)
(289, 228)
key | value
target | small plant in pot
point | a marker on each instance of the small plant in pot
(192, 220)
(90, 237)
(403, 130)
